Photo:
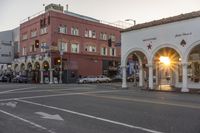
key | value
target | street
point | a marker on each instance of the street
(95, 108)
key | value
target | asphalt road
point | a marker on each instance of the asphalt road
(95, 108)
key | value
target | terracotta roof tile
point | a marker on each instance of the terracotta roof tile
(180, 17)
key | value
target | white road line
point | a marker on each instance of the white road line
(8, 91)
(27, 121)
(56, 95)
(92, 117)
(49, 90)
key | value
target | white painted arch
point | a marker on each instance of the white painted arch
(189, 49)
(165, 45)
(125, 57)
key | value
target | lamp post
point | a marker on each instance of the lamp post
(61, 54)
(134, 21)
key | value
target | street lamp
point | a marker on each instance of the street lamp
(134, 21)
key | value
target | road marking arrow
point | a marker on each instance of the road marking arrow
(49, 116)
(9, 104)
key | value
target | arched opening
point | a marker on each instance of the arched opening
(167, 71)
(16, 68)
(46, 73)
(193, 67)
(36, 77)
(22, 69)
(136, 70)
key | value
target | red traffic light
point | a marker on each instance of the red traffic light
(37, 44)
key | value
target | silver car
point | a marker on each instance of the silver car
(88, 79)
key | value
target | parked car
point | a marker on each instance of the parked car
(102, 78)
(87, 79)
(20, 79)
(4, 78)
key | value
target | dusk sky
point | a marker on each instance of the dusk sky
(14, 11)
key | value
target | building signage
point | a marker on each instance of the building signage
(148, 42)
(183, 34)
(149, 39)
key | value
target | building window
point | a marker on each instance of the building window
(43, 30)
(90, 48)
(24, 37)
(43, 47)
(62, 29)
(103, 36)
(113, 38)
(90, 33)
(63, 46)
(24, 51)
(74, 31)
(33, 34)
(104, 51)
(112, 52)
(31, 48)
(75, 48)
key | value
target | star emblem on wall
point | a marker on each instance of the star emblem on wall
(183, 43)
(149, 46)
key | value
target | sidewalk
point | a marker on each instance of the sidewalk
(168, 88)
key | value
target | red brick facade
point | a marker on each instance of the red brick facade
(87, 44)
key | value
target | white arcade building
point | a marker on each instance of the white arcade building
(168, 51)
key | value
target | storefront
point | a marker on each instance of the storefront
(168, 51)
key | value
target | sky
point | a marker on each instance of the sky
(12, 12)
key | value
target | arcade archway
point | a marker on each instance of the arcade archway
(167, 72)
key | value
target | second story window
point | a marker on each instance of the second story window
(24, 36)
(90, 48)
(112, 52)
(33, 33)
(75, 31)
(63, 46)
(103, 36)
(104, 51)
(43, 30)
(75, 48)
(62, 29)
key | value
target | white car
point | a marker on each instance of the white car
(102, 78)
(88, 79)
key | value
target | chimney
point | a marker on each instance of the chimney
(67, 7)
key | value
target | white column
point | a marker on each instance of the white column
(150, 76)
(141, 76)
(124, 83)
(184, 81)
(157, 73)
(41, 76)
(51, 76)
(176, 76)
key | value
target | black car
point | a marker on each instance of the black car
(20, 79)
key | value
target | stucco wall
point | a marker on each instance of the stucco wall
(166, 35)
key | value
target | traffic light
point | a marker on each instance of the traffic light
(57, 61)
(109, 42)
(37, 44)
